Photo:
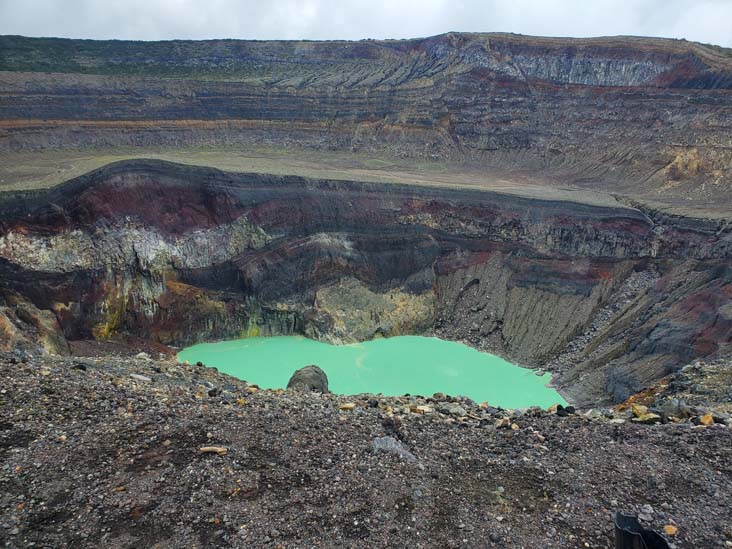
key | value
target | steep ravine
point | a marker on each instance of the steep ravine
(609, 297)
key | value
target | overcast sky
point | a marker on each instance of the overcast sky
(707, 21)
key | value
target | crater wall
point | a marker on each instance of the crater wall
(611, 298)
(648, 118)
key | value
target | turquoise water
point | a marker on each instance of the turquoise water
(393, 366)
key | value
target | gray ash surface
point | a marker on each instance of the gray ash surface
(106, 452)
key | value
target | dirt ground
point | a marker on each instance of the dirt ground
(107, 452)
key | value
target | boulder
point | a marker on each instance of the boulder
(10, 337)
(675, 408)
(24, 324)
(310, 378)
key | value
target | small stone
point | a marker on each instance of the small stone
(670, 530)
(639, 410)
(143, 356)
(561, 411)
(593, 414)
(139, 377)
(503, 423)
(348, 406)
(420, 409)
(514, 427)
(452, 409)
(648, 418)
(220, 450)
(393, 446)
(647, 509)
(706, 419)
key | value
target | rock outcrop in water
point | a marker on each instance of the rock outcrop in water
(310, 378)
(178, 254)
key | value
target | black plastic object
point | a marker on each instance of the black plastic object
(629, 534)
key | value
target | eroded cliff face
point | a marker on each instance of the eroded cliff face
(643, 117)
(611, 298)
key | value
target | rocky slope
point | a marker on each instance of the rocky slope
(130, 452)
(649, 118)
(177, 254)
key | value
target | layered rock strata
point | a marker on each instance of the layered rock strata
(178, 254)
(650, 118)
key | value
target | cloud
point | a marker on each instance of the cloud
(700, 20)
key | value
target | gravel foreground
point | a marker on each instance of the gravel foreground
(107, 452)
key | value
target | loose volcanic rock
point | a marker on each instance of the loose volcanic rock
(393, 446)
(97, 458)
